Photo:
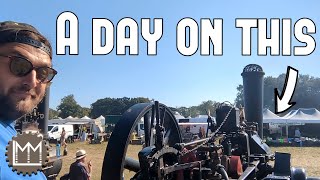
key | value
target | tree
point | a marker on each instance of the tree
(53, 114)
(306, 94)
(194, 111)
(137, 100)
(184, 111)
(239, 99)
(114, 106)
(206, 106)
(201, 109)
(69, 107)
(268, 90)
(85, 111)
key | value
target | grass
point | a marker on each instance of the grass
(306, 157)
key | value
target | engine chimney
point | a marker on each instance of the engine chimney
(253, 95)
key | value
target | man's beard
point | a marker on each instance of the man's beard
(12, 108)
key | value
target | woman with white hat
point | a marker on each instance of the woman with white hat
(78, 169)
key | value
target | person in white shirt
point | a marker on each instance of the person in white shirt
(297, 133)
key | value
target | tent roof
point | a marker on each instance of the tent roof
(177, 115)
(306, 115)
(270, 117)
(302, 116)
(267, 114)
(85, 117)
(101, 117)
(56, 121)
(78, 122)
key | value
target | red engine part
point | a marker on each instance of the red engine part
(189, 157)
(235, 167)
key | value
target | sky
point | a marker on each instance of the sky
(169, 77)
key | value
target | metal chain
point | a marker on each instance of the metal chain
(211, 136)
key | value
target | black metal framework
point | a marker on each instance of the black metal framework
(160, 128)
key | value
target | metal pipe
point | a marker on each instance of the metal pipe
(177, 167)
(43, 109)
(221, 170)
(195, 142)
(252, 166)
(131, 164)
(247, 142)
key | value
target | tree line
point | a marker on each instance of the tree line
(107, 106)
(117, 106)
(306, 95)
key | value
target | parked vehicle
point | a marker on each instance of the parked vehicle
(190, 128)
(193, 125)
(54, 131)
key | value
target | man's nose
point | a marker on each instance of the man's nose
(31, 79)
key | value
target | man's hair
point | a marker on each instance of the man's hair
(24, 33)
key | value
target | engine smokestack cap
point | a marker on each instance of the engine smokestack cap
(251, 69)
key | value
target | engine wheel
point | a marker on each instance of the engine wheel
(149, 113)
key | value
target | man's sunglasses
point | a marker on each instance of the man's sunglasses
(20, 66)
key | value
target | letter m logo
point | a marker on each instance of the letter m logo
(24, 153)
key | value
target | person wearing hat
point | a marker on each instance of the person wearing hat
(25, 74)
(78, 170)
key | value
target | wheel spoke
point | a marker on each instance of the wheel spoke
(163, 116)
(147, 127)
(166, 137)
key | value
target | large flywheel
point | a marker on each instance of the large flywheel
(161, 130)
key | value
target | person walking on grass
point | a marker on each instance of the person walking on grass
(63, 141)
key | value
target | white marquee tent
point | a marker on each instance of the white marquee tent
(304, 115)
(102, 119)
(85, 117)
(300, 116)
(270, 117)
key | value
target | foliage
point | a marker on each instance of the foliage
(306, 95)
(201, 109)
(239, 99)
(208, 107)
(114, 106)
(53, 114)
(85, 111)
(69, 107)
(184, 111)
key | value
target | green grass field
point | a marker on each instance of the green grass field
(306, 157)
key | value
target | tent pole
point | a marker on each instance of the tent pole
(287, 129)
